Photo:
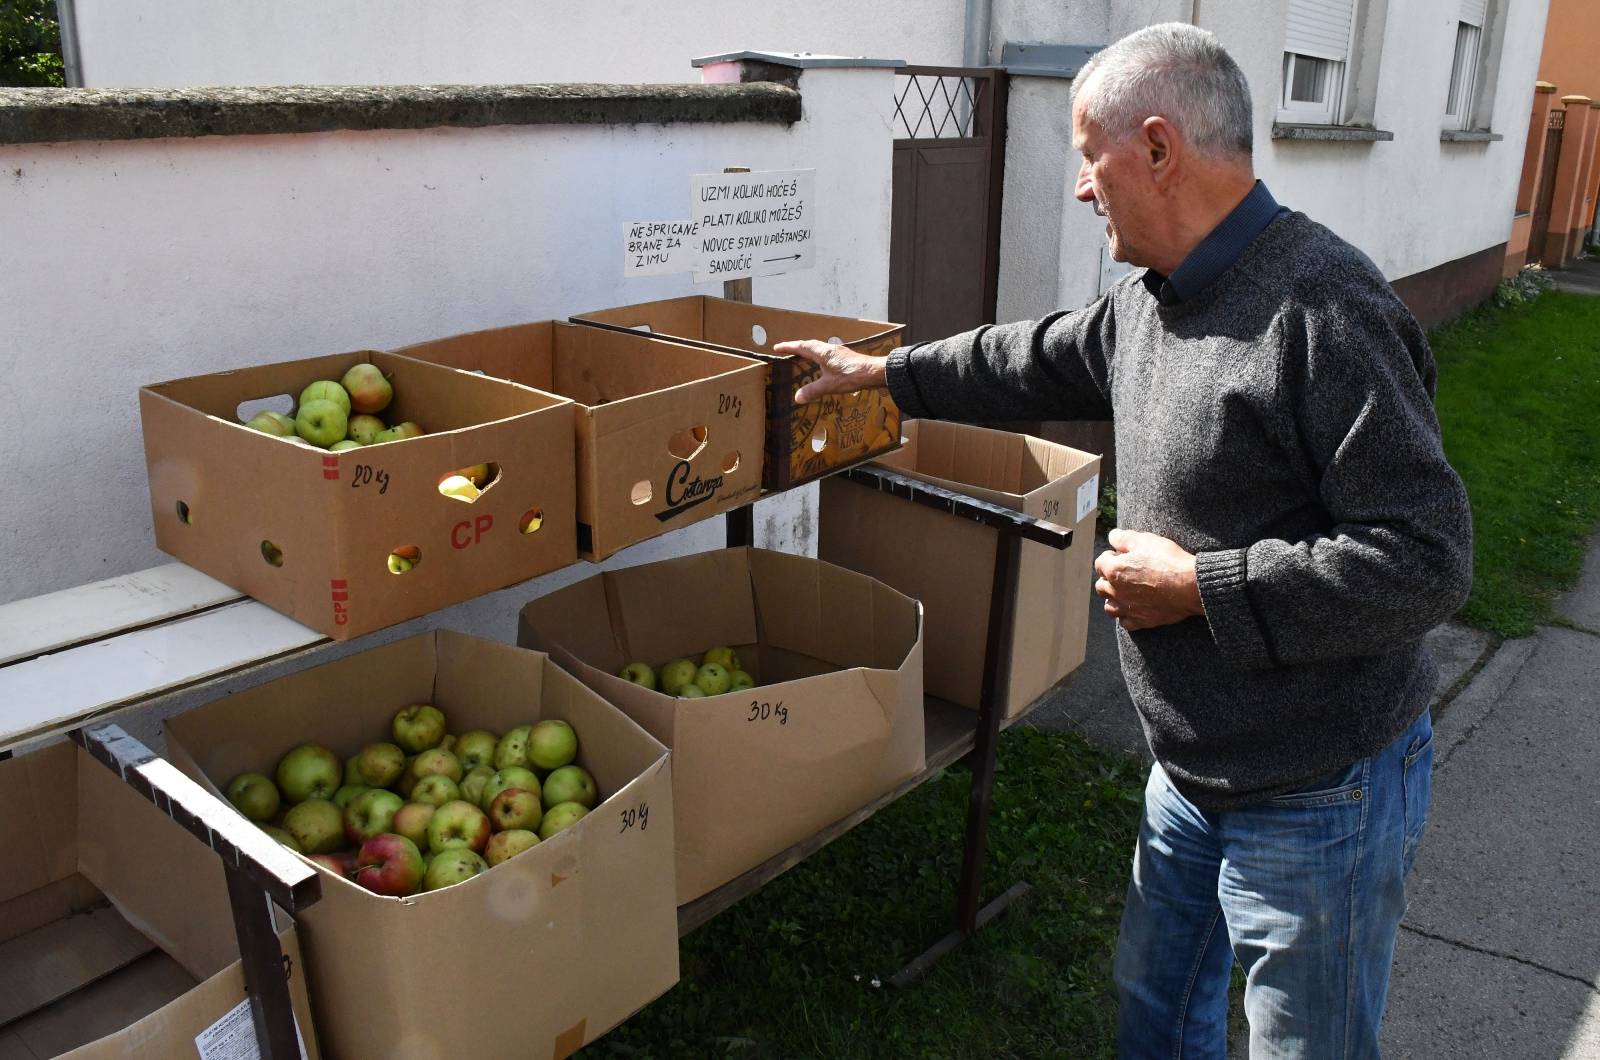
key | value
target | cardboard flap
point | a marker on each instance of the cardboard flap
(39, 836)
(682, 606)
(597, 367)
(52, 961)
(577, 621)
(522, 353)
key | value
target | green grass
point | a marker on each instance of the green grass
(795, 969)
(1519, 405)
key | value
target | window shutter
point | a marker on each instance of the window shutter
(1321, 28)
(1473, 12)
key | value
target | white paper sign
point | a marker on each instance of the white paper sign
(233, 1037)
(653, 248)
(1088, 497)
(753, 224)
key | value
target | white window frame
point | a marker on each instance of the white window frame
(1331, 110)
(1463, 80)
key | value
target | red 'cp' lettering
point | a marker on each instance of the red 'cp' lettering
(464, 533)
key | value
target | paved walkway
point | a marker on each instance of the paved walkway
(1499, 955)
(1579, 277)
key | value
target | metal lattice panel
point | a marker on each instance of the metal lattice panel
(937, 106)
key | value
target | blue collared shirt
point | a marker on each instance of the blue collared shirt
(1217, 252)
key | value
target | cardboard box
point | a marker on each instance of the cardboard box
(536, 957)
(667, 434)
(948, 563)
(803, 441)
(309, 532)
(116, 937)
(835, 722)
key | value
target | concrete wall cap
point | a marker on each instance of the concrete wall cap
(1576, 99)
(1543, 86)
(798, 60)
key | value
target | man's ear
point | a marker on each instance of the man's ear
(1162, 144)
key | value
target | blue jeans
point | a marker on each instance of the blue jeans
(1305, 890)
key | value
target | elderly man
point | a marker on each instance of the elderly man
(1290, 530)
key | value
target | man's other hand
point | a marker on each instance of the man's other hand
(843, 370)
(1146, 581)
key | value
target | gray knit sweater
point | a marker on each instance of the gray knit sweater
(1280, 426)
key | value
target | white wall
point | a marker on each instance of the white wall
(132, 262)
(173, 43)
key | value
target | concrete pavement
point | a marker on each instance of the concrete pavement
(1499, 954)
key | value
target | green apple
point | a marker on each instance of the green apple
(552, 744)
(321, 422)
(738, 681)
(515, 808)
(503, 845)
(475, 747)
(283, 837)
(411, 821)
(254, 795)
(638, 673)
(436, 789)
(371, 814)
(460, 487)
(273, 423)
(364, 429)
(570, 784)
(458, 824)
(351, 774)
(473, 783)
(691, 692)
(512, 750)
(676, 674)
(326, 390)
(561, 815)
(509, 777)
(436, 760)
(398, 433)
(369, 390)
(446, 868)
(339, 447)
(347, 792)
(713, 679)
(317, 825)
(309, 771)
(418, 727)
(726, 658)
(379, 765)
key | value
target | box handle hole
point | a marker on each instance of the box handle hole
(641, 492)
(405, 559)
(730, 462)
(271, 553)
(687, 443)
(467, 484)
(758, 334)
(531, 520)
(185, 516)
(283, 404)
(819, 439)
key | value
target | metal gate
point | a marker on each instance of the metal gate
(949, 164)
(1547, 187)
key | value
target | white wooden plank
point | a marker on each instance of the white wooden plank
(58, 691)
(88, 612)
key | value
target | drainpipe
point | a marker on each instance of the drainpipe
(1194, 12)
(975, 48)
(71, 59)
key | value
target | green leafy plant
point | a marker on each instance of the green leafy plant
(1529, 283)
(30, 44)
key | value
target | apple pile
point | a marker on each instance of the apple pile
(426, 810)
(719, 670)
(339, 415)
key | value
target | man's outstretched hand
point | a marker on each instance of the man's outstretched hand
(1147, 581)
(843, 370)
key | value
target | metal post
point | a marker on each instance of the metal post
(741, 522)
(743, 289)
(266, 978)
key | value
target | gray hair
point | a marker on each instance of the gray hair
(1176, 71)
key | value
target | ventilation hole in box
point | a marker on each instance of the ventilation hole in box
(687, 443)
(646, 328)
(641, 492)
(272, 553)
(836, 341)
(758, 334)
(404, 559)
(185, 516)
(283, 404)
(730, 463)
(819, 439)
(467, 484)
(531, 520)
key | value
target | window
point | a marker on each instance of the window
(1464, 67)
(1316, 57)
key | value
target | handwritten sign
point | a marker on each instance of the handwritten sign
(653, 248)
(754, 224)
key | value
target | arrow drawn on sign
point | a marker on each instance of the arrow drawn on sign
(789, 257)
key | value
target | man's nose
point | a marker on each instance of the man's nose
(1084, 191)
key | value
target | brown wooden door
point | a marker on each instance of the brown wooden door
(944, 251)
(1543, 203)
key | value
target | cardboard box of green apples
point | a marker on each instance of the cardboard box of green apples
(482, 820)
(259, 477)
(832, 719)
